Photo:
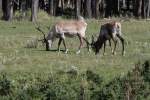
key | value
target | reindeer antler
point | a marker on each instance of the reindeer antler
(92, 38)
(40, 30)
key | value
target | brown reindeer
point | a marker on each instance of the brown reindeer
(109, 31)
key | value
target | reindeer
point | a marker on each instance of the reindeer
(64, 29)
(109, 31)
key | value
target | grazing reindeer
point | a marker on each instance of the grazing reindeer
(64, 29)
(108, 31)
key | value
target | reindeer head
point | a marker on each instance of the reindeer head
(44, 40)
(94, 45)
(97, 45)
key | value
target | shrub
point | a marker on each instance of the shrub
(22, 95)
(146, 71)
(134, 86)
(91, 76)
(5, 85)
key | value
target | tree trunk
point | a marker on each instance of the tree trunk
(7, 7)
(139, 8)
(115, 7)
(62, 6)
(97, 12)
(29, 4)
(148, 10)
(101, 9)
(34, 10)
(0, 8)
(118, 1)
(82, 7)
(135, 7)
(77, 7)
(109, 8)
(42, 4)
(55, 6)
(124, 3)
(23, 8)
(0, 5)
(87, 8)
(51, 11)
(93, 8)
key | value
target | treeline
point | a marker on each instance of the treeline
(87, 8)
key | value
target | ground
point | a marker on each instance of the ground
(17, 61)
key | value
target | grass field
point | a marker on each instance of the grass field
(21, 63)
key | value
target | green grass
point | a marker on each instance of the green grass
(15, 57)
(19, 62)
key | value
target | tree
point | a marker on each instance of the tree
(148, 11)
(93, 8)
(146, 8)
(55, 7)
(62, 6)
(116, 7)
(50, 7)
(102, 10)
(42, 4)
(77, 7)
(23, 7)
(87, 8)
(0, 5)
(7, 7)
(139, 8)
(34, 10)
(97, 9)
(28, 3)
(109, 8)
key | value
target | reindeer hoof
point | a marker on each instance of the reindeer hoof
(114, 53)
(78, 52)
(104, 54)
(66, 51)
(58, 50)
(89, 50)
(123, 54)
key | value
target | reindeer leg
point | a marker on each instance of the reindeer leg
(122, 41)
(81, 44)
(66, 50)
(104, 47)
(63, 39)
(115, 43)
(60, 40)
(110, 44)
(87, 43)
